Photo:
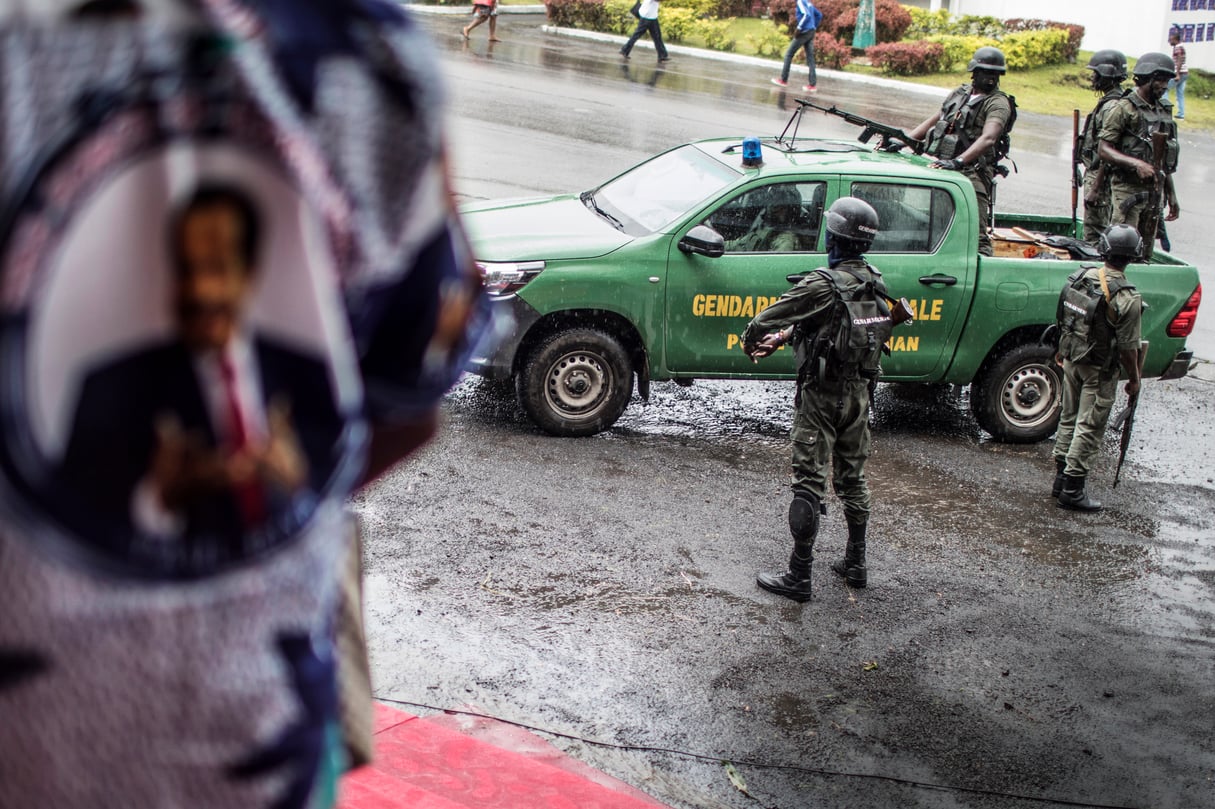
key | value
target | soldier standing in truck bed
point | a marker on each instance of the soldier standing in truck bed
(970, 132)
(1126, 144)
(1109, 71)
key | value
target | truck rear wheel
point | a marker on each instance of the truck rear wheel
(1017, 395)
(576, 382)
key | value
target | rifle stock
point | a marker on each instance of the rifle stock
(1126, 419)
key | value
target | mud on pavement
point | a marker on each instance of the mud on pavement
(604, 588)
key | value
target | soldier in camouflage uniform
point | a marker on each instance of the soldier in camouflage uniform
(1109, 71)
(831, 425)
(1095, 341)
(969, 133)
(1125, 143)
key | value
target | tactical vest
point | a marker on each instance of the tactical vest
(1137, 142)
(848, 346)
(1092, 128)
(961, 124)
(1086, 335)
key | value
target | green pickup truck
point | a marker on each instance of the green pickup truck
(653, 275)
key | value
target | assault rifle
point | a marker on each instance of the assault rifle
(1156, 197)
(892, 138)
(1125, 420)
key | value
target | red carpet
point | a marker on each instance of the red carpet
(450, 761)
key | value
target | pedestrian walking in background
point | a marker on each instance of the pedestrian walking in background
(837, 362)
(970, 132)
(647, 20)
(1180, 73)
(1137, 193)
(484, 10)
(804, 29)
(1109, 71)
(1095, 340)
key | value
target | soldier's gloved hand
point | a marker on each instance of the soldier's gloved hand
(952, 164)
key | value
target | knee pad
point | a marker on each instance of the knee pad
(803, 517)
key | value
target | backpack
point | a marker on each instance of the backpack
(1082, 315)
(849, 345)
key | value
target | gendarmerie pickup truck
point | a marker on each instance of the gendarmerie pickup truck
(653, 275)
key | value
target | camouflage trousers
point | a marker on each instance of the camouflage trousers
(1096, 213)
(1088, 396)
(1129, 206)
(983, 181)
(831, 436)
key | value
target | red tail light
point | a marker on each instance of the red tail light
(1183, 324)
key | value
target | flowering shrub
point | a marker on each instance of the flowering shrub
(839, 18)
(769, 42)
(890, 21)
(907, 58)
(830, 52)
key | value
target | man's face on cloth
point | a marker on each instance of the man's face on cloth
(214, 277)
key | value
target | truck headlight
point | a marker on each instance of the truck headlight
(508, 277)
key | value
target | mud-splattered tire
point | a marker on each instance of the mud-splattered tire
(1017, 395)
(576, 382)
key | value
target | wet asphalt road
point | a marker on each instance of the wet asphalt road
(604, 587)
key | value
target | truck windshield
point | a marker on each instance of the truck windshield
(660, 190)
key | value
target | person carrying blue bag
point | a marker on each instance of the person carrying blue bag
(808, 18)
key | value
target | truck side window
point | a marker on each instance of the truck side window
(775, 218)
(913, 218)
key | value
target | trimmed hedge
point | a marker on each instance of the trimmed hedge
(907, 58)
(927, 24)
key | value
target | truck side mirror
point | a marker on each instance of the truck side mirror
(703, 240)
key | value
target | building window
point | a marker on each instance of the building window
(1187, 33)
(1179, 5)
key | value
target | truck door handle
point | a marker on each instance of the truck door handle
(795, 278)
(938, 278)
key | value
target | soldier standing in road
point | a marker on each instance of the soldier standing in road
(970, 132)
(1126, 143)
(1109, 71)
(1095, 340)
(839, 321)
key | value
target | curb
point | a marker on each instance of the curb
(686, 50)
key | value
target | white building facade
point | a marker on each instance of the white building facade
(1134, 27)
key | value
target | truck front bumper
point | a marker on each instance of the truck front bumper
(495, 358)
(1180, 366)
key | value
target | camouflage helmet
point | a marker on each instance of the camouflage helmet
(1152, 63)
(853, 219)
(1120, 241)
(987, 58)
(1108, 64)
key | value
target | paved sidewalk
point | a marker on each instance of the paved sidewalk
(453, 761)
(685, 50)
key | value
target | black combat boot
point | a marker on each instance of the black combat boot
(803, 524)
(852, 566)
(1060, 465)
(1073, 496)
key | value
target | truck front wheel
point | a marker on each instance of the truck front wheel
(576, 382)
(1017, 395)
